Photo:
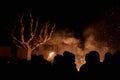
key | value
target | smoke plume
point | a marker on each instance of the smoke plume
(101, 36)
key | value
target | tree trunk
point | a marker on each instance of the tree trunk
(29, 54)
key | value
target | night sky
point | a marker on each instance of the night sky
(71, 14)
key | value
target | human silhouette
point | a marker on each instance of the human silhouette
(58, 67)
(107, 66)
(116, 65)
(70, 69)
(91, 69)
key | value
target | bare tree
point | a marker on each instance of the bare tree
(38, 36)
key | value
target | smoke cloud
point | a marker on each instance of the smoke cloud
(101, 36)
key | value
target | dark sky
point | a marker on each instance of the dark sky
(66, 14)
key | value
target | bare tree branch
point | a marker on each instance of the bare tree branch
(46, 29)
(31, 24)
(40, 35)
(33, 33)
(36, 27)
(52, 30)
(16, 44)
(15, 39)
(22, 29)
(44, 35)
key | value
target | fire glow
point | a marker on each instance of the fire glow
(66, 41)
(51, 55)
(97, 36)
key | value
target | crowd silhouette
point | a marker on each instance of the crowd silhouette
(63, 67)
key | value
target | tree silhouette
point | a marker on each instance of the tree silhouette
(37, 36)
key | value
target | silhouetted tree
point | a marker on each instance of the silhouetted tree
(34, 40)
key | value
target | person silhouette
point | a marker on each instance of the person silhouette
(91, 69)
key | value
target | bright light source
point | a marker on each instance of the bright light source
(51, 54)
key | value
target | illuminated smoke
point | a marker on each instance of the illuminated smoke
(101, 36)
(65, 41)
(92, 45)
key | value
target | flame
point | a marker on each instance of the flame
(51, 55)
